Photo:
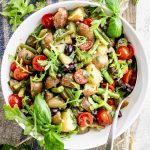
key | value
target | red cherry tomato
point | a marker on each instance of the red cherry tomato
(15, 100)
(131, 51)
(133, 78)
(79, 77)
(126, 78)
(47, 21)
(110, 102)
(123, 52)
(110, 86)
(13, 66)
(85, 119)
(104, 117)
(87, 21)
(35, 63)
(20, 74)
(86, 46)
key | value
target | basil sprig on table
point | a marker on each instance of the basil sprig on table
(39, 123)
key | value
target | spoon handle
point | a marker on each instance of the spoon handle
(110, 141)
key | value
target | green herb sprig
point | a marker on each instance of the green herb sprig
(16, 10)
(113, 21)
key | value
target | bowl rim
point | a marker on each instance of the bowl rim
(83, 3)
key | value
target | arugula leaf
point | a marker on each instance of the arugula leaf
(40, 4)
(37, 79)
(80, 40)
(12, 58)
(53, 63)
(53, 141)
(37, 30)
(28, 108)
(15, 10)
(115, 27)
(113, 5)
(15, 113)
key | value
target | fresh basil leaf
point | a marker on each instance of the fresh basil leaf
(53, 141)
(115, 27)
(41, 110)
(114, 6)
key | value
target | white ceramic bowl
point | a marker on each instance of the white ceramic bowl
(136, 99)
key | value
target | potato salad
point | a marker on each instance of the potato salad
(70, 74)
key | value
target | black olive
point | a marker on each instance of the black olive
(54, 111)
(68, 49)
(70, 68)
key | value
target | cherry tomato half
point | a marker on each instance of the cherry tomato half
(20, 74)
(15, 100)
(111, 102)
(35, 63)
(13, 66)
(87, 21)
(110, 86)
(79, 77)
(131, 51)
(104, 117)
(86, 46)
(133, 78)
(123, 52)
(47, 21)
(84, 119)
(126, 78)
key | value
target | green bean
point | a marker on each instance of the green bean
(101, 102)
(22, 92)
(58, 89)
(104, 35)
(110, 93)
(95, 46)
(100, 37)
(18, 86)
(39, 50)
(64, 35)
(69, 93)
(28, 48)
(107, 76)
(115, 58)
(47, 52)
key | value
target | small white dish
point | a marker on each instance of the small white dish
(136, 99)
